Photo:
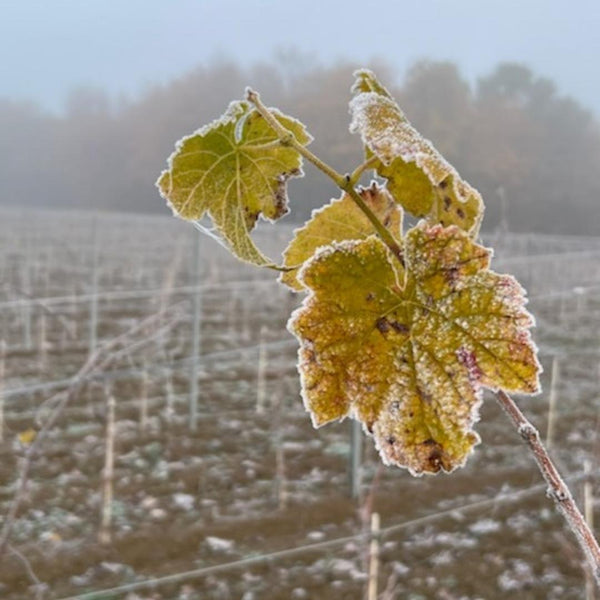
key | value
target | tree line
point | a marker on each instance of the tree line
(533, 153)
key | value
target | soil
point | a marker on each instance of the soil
(185, 499)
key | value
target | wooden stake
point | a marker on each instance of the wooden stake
(93, 332)
(170, 394)
(195, 358)
(42, 348)
(144, 384)
(373, 557)
(588, 512)
(26, 317)
(104, 536)
(355, 458)
(2, 374)
(552, 401)
(280, 480)
(27, 288)
(261, 373)
(277, 441)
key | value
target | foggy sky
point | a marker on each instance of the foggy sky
(51, 46)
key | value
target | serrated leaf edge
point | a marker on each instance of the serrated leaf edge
(521, 300)
(313, 214)
(237, 109)
(408, 154)
(321, 252)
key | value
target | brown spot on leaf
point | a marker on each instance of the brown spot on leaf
(251, 216)
(447, 202)
(280, 191)
(460, 212)
(280, 194)
(435, 460)
(452, 275)
(433, 456)
(383, 325)
(425, 396)
(369, 193)
(400, 327)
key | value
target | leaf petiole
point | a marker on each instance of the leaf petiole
(384, 233)
(287, 138)
(365, 166)
(344, 182)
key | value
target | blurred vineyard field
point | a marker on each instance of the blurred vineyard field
(184, 454)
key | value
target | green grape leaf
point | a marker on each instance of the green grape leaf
(339, 220)
(407, 350)
(235, 170)
(419, 177)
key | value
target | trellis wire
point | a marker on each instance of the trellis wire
(503, 498)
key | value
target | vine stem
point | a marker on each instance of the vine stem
(368, 164)
(344, 182)
(557, 488)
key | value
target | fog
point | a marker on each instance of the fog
(533, 152)
(93, 99)
(153, 440)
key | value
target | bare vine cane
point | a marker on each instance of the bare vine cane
(557, 488)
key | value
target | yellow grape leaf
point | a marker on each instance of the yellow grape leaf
(406, 350)
(235, 170)
(340, 220)
(27, 436)
(367, 82)
(419, 177)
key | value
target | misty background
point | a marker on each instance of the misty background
(89, 111)
(152, 434)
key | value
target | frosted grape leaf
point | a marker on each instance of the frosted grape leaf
(419, 178)
(365, 81)
(235, 170)
(340, 220)
(407, 350)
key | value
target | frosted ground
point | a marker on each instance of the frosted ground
(218, 508)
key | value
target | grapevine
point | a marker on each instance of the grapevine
(401, 327)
